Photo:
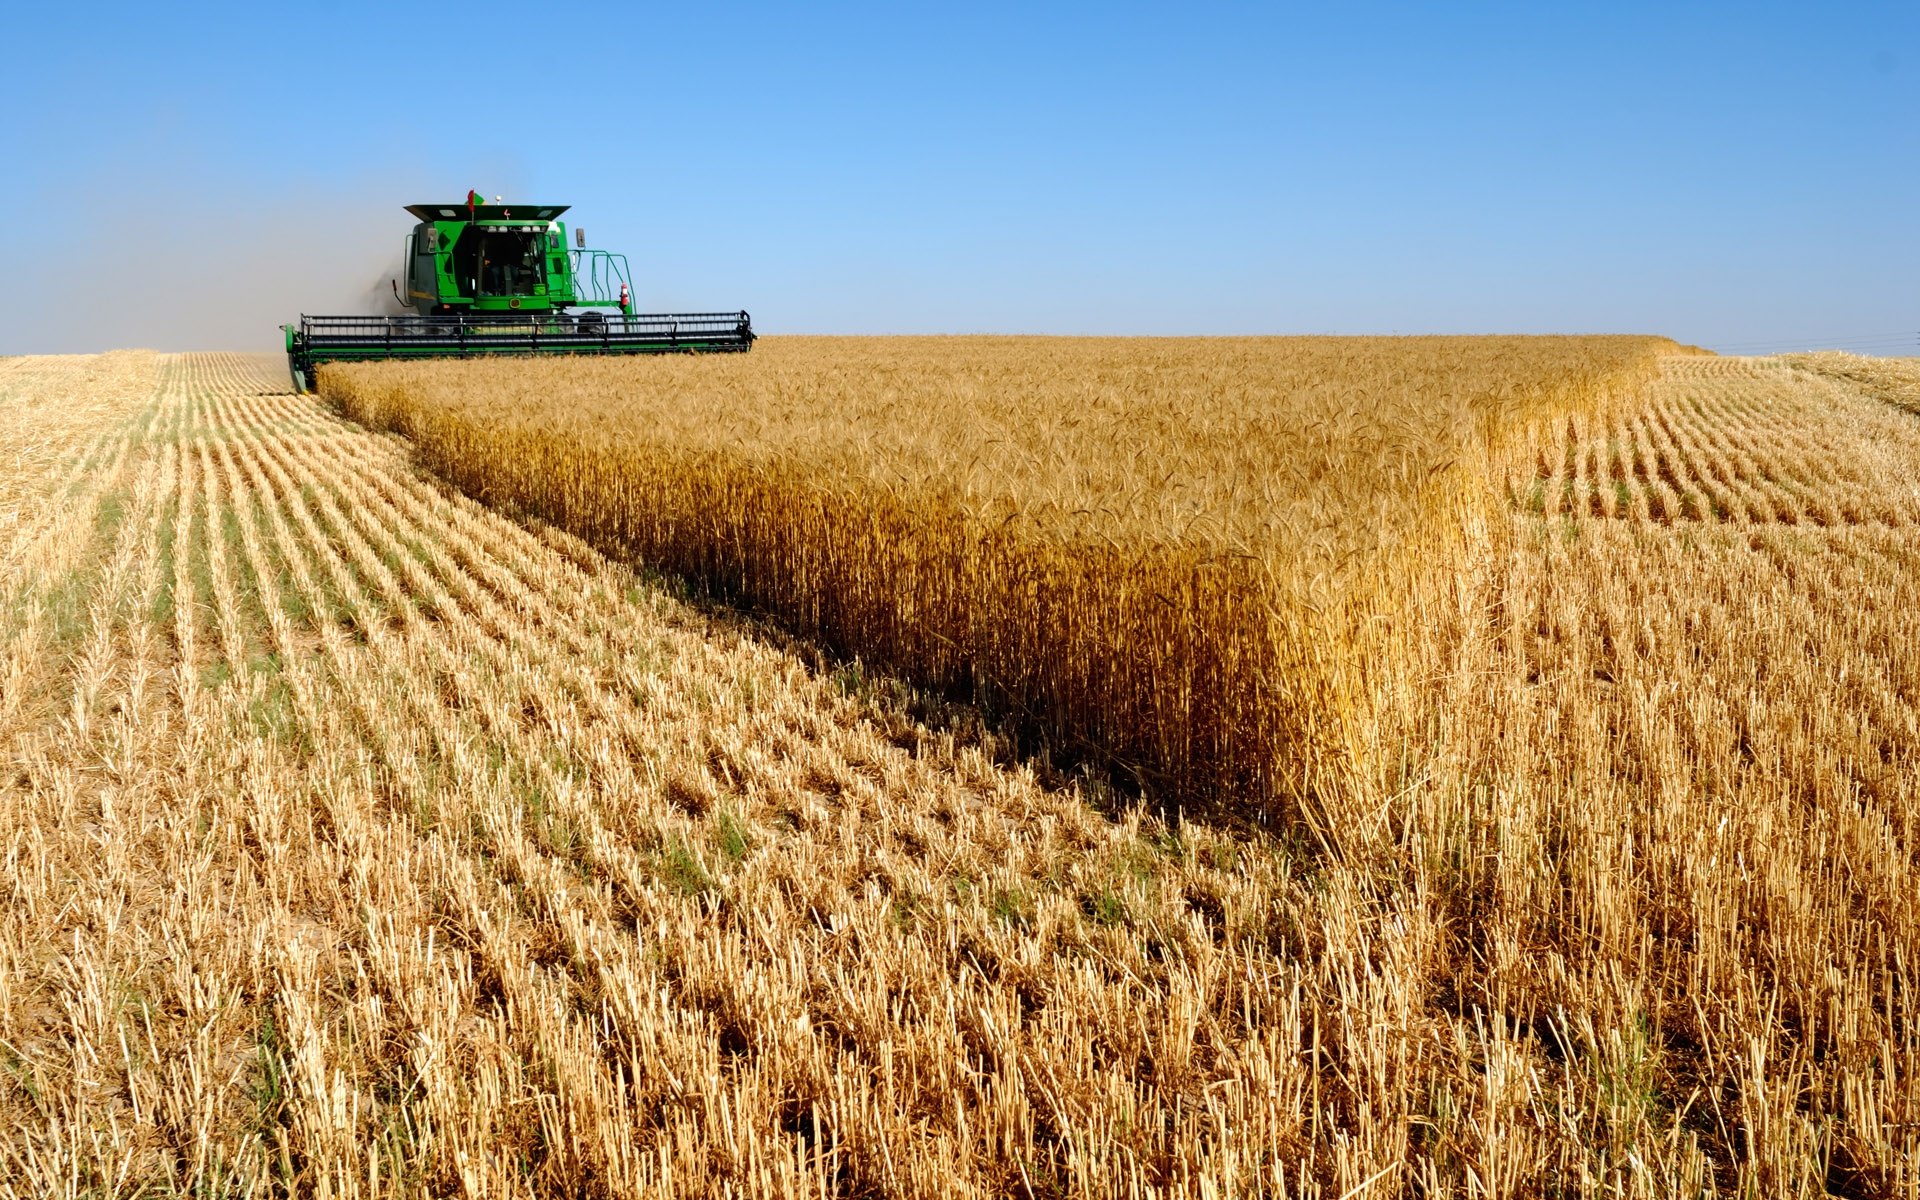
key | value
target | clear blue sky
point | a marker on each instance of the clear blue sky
(1741, 176)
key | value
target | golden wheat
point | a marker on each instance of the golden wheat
(1138, 548)
(361, 842)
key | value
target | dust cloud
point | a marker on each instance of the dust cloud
(181, 273)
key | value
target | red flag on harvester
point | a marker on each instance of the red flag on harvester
(473, 198)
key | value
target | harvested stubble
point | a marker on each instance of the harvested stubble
(1895, 380)
(1175, 558)
(360, 842)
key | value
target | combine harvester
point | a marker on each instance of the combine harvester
(500, 279)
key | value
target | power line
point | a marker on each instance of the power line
(1880, 341)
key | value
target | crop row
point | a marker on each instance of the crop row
(1760, 448)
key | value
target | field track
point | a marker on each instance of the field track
(360, 841)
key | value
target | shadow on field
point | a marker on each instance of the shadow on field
(906, 712)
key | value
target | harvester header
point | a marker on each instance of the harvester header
(501, 279)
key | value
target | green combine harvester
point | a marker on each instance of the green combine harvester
(501, 279)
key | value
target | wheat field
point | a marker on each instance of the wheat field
(361, 840)
(1136, 551)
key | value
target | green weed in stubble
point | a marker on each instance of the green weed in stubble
(1105, 908)
(729, 837)
(1011, 905)
(270, 1083)
(160, 615)
(681, 869)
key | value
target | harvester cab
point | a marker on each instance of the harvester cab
(488, 258)
(501, 279)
